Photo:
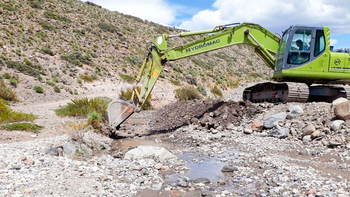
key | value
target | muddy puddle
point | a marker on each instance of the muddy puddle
(130, 143)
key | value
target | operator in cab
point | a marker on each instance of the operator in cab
(301, 46)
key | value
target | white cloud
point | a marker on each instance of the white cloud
(153, 10)
(333, 42)
(275, 15)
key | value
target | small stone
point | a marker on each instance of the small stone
(78, 163)
(311, 191)
(221, 182)
(60, 152)
(307, 139)
(294, 111)
(280, 133)
(247, 131)
(257, 125)
(158, 166)
(230, 126)
(28, 162)
(227, 168)
(336, 125)
(26, 191)
(272, 121)
(23, 158)
(69, 148)
(52, 151)
(335, 141)
(315, 134)
(214, 131)
(165, 168)
(309, 129)
(201, 180)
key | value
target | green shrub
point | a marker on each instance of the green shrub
(39, 78)
(216, 91)
(187, 93)
(77, 58)
(80, 81)
(6, 93)
(6, 75)
(47, 51)
(127, 78)
(202, 90)
(233, 84)
(14, 82)
(47, 26)
(23, 127)
(249, 62)
(38, 89)
(89, 78)
(107, 27)
(7, 115)
(38, 4)
(8, 6)
(50, 83)
(84, 106)
(50, 14)
(27, 67)
(126, 95)
(175, 82)
(56, 89)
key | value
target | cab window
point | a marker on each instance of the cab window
(299, 51)
(279, 64)
(320, 43)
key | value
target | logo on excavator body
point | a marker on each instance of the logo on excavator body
(337, 62)
(155, 73)
(202, 45)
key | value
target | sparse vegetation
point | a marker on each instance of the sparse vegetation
(8, 116)
(127, 78)
(56, 89)
(47, 51)
(216, 91)
(107, 27)
(23, 127)
(27, 67)
(187, 93)
(6, 93)
(77, 58)
(175, 82)
(126, 95)
(89, 78)
(202, 90)
(84, 106)
(13, 82)
(38, 89)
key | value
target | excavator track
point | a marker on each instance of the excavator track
(277, 92)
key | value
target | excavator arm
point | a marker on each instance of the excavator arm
(265, 43)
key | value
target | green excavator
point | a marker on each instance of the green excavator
(305, 68)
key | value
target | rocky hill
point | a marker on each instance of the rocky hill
(62, 45)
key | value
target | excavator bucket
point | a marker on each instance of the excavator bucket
(119, 111)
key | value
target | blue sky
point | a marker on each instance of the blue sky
(275, 15)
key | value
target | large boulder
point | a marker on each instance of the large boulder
(148, 151)
(272, 121)
(342, 110)
(338, 101)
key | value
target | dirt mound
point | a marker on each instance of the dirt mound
(209, 113)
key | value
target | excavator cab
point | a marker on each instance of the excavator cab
(302, 50)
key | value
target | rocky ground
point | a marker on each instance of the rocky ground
(201, 148)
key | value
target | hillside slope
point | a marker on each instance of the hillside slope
(62, 45)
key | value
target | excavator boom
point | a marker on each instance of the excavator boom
(266, 45)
